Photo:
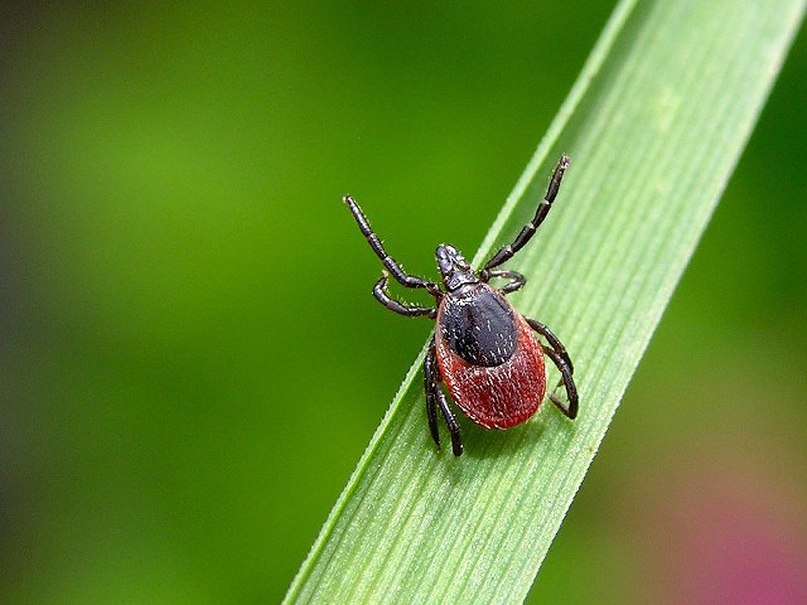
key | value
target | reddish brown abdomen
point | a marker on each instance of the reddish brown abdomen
(495, 396)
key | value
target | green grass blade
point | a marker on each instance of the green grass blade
(655, 125)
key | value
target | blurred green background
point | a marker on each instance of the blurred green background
(193, 363)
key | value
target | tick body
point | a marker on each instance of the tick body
(489, 356)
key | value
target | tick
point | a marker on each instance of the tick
(488, 355)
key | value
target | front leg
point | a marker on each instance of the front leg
(517, 280)
(506, 252)
(394, 267)
(380, 293)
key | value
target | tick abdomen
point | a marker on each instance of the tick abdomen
(500, 396)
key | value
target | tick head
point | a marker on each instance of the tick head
(454, 268)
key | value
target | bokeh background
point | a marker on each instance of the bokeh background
(192, 362)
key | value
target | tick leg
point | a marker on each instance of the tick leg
(380, 293)
(570, 410)
(507, 252)
(406, 280)
(429, 386)
(434, 397)
(517, 280)
(560, 357)
(553, 340)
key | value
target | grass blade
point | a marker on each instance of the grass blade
(655, 125)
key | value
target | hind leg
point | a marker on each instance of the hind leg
(434, 398)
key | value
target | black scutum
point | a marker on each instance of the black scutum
(478, 325)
